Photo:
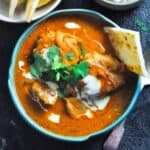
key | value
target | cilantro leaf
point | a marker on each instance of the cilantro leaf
(38, 66)
(39, 62)
(48, 76)
(81, 70)
(55, 69)
(53, 53)
(58, 75)
(69, 55)
(66, 72)
(34, 72)
(57, 65)
(55, 58)
(82, 50)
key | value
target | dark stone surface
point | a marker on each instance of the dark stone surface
(15, 134)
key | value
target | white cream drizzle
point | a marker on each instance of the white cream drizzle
(102, 103)
(72, 25)
(89, 114)
(55, 118)
(92, 86)
(24, 74)
(44, 55)
(21, 64)
(97, 104)
(27, 75)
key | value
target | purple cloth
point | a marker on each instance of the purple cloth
(113, 141)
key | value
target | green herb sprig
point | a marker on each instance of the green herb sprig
(56, 70)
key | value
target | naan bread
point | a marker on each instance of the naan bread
(13, 4)
(127, 46)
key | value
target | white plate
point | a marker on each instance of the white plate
(119, 6)
(20, 12)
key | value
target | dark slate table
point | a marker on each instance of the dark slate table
(15, 134)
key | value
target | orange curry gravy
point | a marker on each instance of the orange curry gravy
(68, 126)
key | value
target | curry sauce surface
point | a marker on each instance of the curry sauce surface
(120, 99)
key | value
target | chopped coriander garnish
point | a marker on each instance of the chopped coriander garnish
(34, 71)
(66, 72)
(82, 50)
(80, 70)
(57, 65)
(55, 70)
(58, 76)
(69, 55)
(53, 53)
(38, 66)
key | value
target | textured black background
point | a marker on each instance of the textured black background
(15, 134)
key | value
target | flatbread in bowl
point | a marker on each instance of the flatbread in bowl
(127, 46)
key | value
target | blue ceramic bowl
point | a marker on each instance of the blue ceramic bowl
(11, 84)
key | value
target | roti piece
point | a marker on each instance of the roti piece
(13, 5)
(30, 9)
(127, 46)
(31, 6)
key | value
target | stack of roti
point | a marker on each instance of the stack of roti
(31, 6)
(127, 46)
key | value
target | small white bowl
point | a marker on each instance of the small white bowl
(119, 6)
(20, 12)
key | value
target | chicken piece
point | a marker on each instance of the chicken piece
(68, 43)
(76, 108)
(106, 75)
(115, 80)
(92, 87)
(44, 92)
(13, 5)
(71, 90)
(45, 41)
(106, 61)
(95, 104)
(32, 94)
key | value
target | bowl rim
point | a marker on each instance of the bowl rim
(118, 3)
(11, 20)
(17, 102)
